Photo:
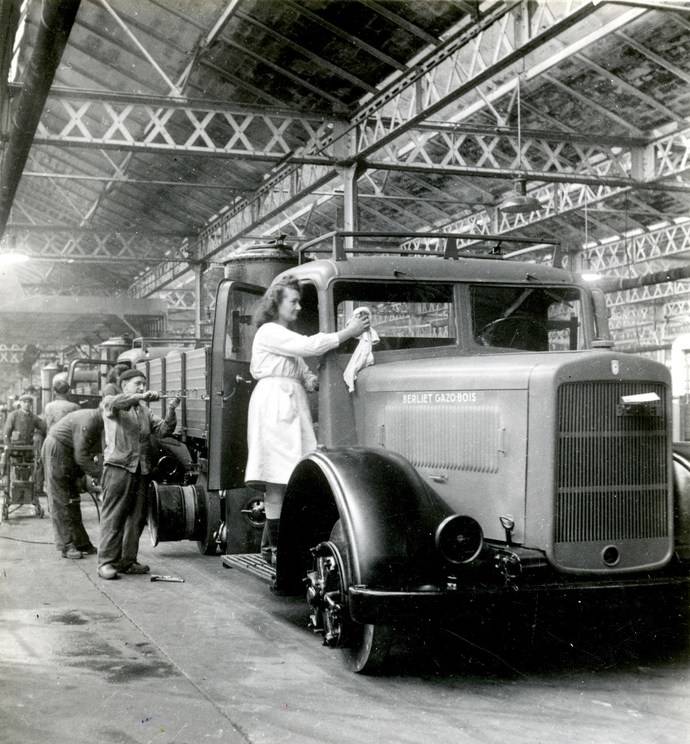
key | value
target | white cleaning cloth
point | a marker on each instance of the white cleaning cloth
(363, 355)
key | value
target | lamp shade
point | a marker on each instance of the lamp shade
(519, 201)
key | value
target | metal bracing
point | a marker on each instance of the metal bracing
(92, 246)
(502, 36)
(470, 57)
(649, 293)
(674, 311)
(631, 252)
(91, 119)
(287, 187)
(666, 158)
(178, 299)
(11, 353)
(503, 153)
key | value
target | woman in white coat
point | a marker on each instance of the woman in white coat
(279, 428)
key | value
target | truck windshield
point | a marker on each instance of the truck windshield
(527, 318)
(406, 316)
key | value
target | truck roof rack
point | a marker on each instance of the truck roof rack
(339, 249)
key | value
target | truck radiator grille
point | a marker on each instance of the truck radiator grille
(612, 469)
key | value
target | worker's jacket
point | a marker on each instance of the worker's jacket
(80, 433)
(128, 424)
(20, 427)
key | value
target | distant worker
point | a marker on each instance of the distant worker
(3, 415)
(59, 406)
(112, 385)
(21, 428)
(279, 428)
(128, 425)
(69, 452)
(22, 423)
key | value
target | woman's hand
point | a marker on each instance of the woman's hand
(359, 323)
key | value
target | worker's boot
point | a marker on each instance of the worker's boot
(69, 551)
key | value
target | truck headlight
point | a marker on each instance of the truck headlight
(459, 539)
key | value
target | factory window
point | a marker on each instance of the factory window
(405, 316)
(527, 318)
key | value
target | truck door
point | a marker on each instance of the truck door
(231, 383)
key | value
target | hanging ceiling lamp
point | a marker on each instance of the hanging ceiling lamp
(519, 202)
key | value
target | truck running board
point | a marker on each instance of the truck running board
(251, 563)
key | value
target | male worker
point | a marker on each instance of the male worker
(59, 406)
(68, 453)
(21, 424)
(128, 425)
(24, 427)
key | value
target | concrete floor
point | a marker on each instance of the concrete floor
(220, 659)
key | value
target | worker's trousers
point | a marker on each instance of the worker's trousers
(123, 516)
(64, 499)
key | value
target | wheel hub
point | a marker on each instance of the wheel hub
(325, 595)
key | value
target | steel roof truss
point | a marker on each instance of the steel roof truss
(190, 128)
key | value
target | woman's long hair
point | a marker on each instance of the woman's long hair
(267, 310)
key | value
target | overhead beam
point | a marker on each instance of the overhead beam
(81, 305)
(93, 246)
(133, 124)
(666, 159)
(230, 190)
(633, 251)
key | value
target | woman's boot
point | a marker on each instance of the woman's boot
(273, 526)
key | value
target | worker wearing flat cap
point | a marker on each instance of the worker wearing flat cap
(22, 423)
(128, 425)
(59, 406)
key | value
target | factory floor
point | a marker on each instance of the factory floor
(219, 659)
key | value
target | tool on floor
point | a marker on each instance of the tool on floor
(175, 579)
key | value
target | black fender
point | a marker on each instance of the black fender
(389, 517)
(681, 499)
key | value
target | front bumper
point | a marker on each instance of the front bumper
(382, 606)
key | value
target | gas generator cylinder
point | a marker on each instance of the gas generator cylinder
(259, 264)
(112, 347)
(47, 374)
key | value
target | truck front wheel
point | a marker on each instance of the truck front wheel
(365, 647)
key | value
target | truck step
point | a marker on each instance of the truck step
(251, 563)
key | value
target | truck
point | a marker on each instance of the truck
(498, 444)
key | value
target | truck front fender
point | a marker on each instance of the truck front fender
(388, 515)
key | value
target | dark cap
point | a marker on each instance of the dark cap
(130, 374)
(61, 387)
